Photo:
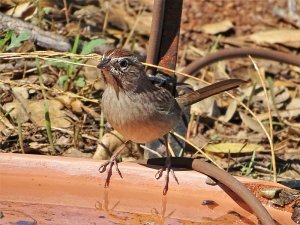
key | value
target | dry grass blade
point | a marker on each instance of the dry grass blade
(47, 54)
(52, 90)
(269, 135)
(66, 11)
(142, 9)
(151, 150)
(106, 6)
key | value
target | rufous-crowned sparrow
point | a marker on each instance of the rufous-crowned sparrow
(140, 110)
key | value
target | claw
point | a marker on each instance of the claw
(117, 169)
(159, 173)
(167, 167)
(103, 166)
(174, 176)
(110, 163)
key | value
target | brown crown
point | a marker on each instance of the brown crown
(117, 52)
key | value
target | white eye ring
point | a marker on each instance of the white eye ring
(123, 63)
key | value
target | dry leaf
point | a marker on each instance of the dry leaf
(57, 116)
(63, 140)
(207, 106)
(233, 148)
(250, 137)
(65, 100)
(74, 152)
(24, 10)
(250, 123)
(125, 21)
(76, 106)
(5, 3)
(276, 36)
(38, 146)
(294, 104)
(20, 92)
(282, 96)
(219, 27)
(16, 111)
(290, 113)
(4, 122)
(91, 15)
(292, 109)
(229, 112)
(70, 102)
(285, 83)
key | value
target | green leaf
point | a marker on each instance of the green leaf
(88, 47)
(76, 44)
(62, 80)
(80, 82)
(5, 39)
(16, 40)
(59, 64)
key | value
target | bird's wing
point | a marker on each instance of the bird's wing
(165, 103)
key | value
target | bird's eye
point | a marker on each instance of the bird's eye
(123, 63)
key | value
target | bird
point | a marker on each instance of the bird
(140, 110)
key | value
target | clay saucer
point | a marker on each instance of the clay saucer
(37, 189)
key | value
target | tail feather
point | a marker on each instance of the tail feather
(207, 91)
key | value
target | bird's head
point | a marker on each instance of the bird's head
(122, 70)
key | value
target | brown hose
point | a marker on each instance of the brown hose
(237, 53)
(223, 177)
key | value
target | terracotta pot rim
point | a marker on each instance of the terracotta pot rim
(76, 182)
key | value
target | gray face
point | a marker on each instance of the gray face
(119, 61)
(122, 65)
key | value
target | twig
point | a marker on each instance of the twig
(40, 37)
(66, 11)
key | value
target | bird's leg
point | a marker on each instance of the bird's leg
(112, 161)
(166, 167)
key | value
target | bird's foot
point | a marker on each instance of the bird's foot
(167, 167)
(107, 165)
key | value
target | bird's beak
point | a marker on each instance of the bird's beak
(108, 76)
(103, 64)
